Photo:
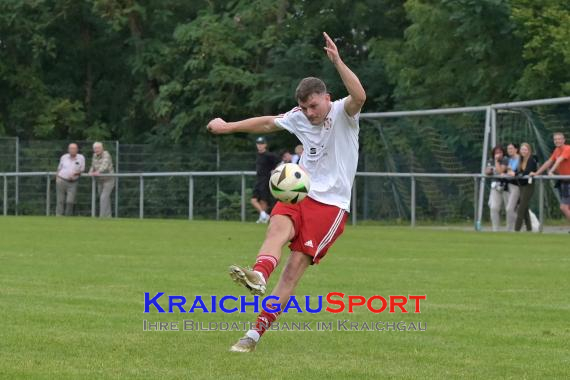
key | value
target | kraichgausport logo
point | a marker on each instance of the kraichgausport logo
(333, 302)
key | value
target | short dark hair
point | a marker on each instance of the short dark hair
(309, 86)
(496, 148)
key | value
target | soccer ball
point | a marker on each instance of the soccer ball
(289, 183)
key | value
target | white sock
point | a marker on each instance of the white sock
(261, 275)
(253, 335)
(263, 215)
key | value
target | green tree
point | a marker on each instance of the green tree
(465, 51)
(544, 26)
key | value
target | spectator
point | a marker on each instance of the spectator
(514, 191)
(298, 153)
(102, 164)
(264, 164)
(70, 167)
(286, 157)
(527, 165)
(559, 163)
(497, 166)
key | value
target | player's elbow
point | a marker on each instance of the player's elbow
(360, 99)
(359, 96)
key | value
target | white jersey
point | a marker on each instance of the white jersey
(330, 152)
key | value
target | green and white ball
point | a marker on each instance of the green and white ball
(289, 183)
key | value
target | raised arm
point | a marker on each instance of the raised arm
(261, 124)
(356, 93)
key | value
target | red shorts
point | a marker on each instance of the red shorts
(317, 225)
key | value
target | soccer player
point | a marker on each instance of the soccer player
(329, 133)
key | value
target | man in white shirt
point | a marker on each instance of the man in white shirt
(70, 167)
(329, 134)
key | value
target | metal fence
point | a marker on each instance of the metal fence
(412, 167)
(189, 178)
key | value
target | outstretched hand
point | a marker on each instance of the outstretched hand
(217, 126)
(331, 49)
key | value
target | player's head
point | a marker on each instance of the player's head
(98, 147)
(261, 144)
(72, 149)
(299, 150)
(313, 98)
(559, 138)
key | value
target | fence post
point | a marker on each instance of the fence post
(5, 199)
(141, 197)
(493, 127)
(540, 204)
(353, 206)
(483, 165)
(17, 179)
(242, 197)
(475, 197)
(117, 146)
(413, 206)
(47, 195)
(93, 197)
(191, 198)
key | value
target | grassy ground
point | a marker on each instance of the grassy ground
(72, 295)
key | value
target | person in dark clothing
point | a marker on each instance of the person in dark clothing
(527, 165)
(264, 164)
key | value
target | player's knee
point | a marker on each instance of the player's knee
(288, 278)
(295, 267)
(290, 273)
(280, 227)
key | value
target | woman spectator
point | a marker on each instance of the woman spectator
(527, 165)
(497, 166)
(514, 193)
(102, 164)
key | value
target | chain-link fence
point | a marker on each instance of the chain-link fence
(446, 142)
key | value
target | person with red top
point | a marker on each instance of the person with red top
(559, 163)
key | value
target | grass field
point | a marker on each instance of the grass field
(72, 296)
